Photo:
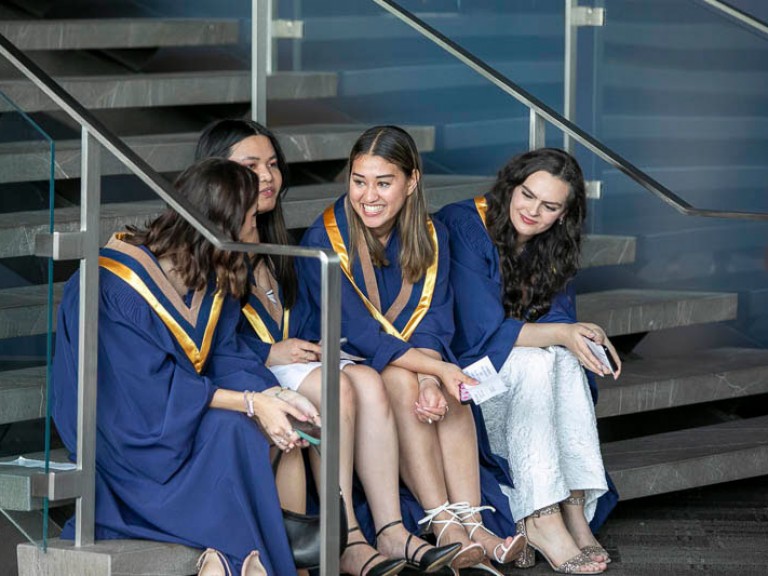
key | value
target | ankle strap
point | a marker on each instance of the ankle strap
(546, 511)
(393, 523)
(575, 501)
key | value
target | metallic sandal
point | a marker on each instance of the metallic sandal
(468, 555)
(501, 554)
(595, 549)
(528, 557)
(213, 557)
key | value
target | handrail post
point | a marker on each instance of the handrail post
(537, 131)
(260, 54)
(88, 341)
(569, 70)
(330, 303)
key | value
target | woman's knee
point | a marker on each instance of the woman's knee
(368, 384)
(402, 387)
(347, 395)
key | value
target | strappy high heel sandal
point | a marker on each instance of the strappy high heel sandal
(252, 565)
(528, 557)
(388, 567)
(468, 555)
(431, 560)
(212, 563)
(595, 549)
(501, 554)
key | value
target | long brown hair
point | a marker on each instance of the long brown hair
(549, 260)
(223, 191)
(217, 140)
(417, 252)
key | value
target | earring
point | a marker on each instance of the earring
(561, 220)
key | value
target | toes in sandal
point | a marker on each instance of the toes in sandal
(253, 562)
(501, 554)
(212, 562)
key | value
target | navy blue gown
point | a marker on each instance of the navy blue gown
(482, 326)
(426, 321)
(169, 467)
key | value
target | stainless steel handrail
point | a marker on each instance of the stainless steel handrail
(540, 109)
(740, 15)
(94, 131)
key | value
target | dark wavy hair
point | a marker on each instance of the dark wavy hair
(223, 191)
(417, 252)
(217, 140)
(532, 276)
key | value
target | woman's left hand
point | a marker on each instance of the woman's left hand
(431, 406)
(451, 376)
(298, 401)
(585, 355)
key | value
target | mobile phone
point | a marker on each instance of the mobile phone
(464, 396)
(306, 430)
(603, 355)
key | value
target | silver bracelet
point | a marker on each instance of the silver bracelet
(430, 377)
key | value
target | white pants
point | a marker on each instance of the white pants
(545, 426)
(292, 375)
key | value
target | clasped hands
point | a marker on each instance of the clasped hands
(432, 405)
(277, 405)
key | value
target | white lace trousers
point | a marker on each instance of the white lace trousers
(545, 426)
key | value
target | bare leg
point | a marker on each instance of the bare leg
(291, 481)
(421, 459)
(354, 557)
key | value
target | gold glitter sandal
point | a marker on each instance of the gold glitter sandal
(595, 549)
(527, 558)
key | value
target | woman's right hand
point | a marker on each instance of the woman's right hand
(451, 376)
(293, 351)
(271, 413)
(574, 341)
(431, 405)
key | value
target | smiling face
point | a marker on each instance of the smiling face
(257, 154)
(537, 204)
(378, 191)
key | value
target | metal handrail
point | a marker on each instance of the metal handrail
(70, 484)
(743, 17)
(540, 110)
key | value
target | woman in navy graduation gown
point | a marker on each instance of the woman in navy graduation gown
(397, 314)
(186, 412)
(514, 253)
(271, 323)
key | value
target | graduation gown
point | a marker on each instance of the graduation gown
(482, 327)
(169, 467)
(426, 321)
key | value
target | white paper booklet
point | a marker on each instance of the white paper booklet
(491, 383)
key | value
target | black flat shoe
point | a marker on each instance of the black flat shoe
(431, 560)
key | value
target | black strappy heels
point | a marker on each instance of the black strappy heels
(388, 567)
(431, 560)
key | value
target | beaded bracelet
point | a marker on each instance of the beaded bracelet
(248, 401)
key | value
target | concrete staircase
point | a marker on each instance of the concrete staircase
(684, 454)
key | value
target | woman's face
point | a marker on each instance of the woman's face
(378, 190)
(250, 231)
(257, 154)
(536, 204)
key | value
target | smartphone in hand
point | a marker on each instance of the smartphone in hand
(306, 430)
(602, 354)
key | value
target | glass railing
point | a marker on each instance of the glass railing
(26, 309)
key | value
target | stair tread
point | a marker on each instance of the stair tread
(22, 161)
(171, 89)
(118, 33)
(688, 458)
(22, 394)
(629, 311)
(15, 482)
(703, 376)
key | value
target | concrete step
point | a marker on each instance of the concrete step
(688, 458)
(118, 33)
(22, 394)
(629, 311)
(24, 161)
(703, 376)
(171, 89)
(16, 483)
(108, 558)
